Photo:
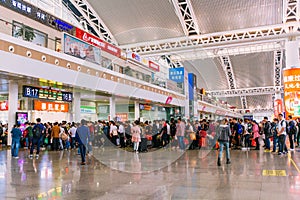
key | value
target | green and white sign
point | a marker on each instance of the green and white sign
(88, 109)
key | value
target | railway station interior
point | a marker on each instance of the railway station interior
(149, 99)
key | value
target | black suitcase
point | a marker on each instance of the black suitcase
(143, 145)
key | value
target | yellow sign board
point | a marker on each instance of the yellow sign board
(274, 173)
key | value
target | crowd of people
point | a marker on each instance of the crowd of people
(175, 134)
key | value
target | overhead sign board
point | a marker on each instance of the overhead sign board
(176, 74)
(47, 93)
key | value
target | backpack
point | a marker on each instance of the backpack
(269, 133)
(249, 128)
(292, 128)
(286, 125)
(240, 129)
(223, 134)
(37, 132)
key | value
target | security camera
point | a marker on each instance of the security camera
(28, 53)
(11, 49)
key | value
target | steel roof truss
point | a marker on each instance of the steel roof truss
(246, 91)
(93, 19)
(187, 17)
(216, 39)
(278, 55)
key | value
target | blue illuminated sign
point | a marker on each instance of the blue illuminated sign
(176, 74)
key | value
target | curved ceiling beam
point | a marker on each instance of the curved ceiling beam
(187, 17)
(93, 19)
(291, 10)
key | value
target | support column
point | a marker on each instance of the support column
(12, 107)
(136, 110)
(76, 107)
(292, 54)
(112, 107)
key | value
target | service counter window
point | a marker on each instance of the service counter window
(30, 34)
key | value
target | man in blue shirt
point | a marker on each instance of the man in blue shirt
(16, 134)
(82, 137)
(38, 131)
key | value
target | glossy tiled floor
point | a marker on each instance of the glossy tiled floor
(114, 174)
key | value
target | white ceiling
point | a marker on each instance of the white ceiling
(133, 21)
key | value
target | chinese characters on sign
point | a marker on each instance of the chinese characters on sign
(291, 78)
(176, 74)
(47, 93)
(51, 106)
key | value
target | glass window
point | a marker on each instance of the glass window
(27, 33)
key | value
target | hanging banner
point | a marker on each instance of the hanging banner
(278, 107)
(291, 79)
(91, 39)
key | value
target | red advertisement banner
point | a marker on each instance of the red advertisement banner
(91, 39)
(153, 66)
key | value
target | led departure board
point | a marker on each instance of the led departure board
(47, 93)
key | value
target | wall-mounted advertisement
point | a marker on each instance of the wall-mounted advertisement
(91, 39)
(21, 118)
(291, 78)
(82, 50)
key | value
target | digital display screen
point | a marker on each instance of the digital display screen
(45, 93)
(21, 118)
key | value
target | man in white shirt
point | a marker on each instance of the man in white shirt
(281, 129)
(72, 132)
(122, 135)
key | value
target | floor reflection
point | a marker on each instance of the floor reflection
(116, 174)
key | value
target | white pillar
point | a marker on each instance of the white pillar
(12, 107)
(136, 110)
(76, 106)
(112, 107)
(292, 54)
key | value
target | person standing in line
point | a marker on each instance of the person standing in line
(122, 135)
(82, 136)
(136, 136)
(16, 134)
(224, 134)
(55, 136)
(267, 132)
(275, 133)
(180, 129)
(292, 131)
(38, 131)
(113, 131)
(72, 133)
(281, 130)
(298, 132)
(255, 130)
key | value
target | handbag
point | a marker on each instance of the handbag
(46, 141)
(192, 136)
(64, 136)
